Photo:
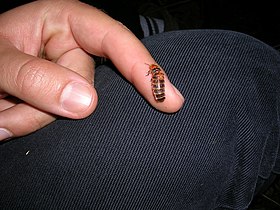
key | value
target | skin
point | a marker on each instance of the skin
(46, 68)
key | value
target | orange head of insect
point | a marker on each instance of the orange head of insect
(153, 68)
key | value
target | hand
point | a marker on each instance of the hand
(46, 70)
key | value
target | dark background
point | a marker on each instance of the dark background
(260, 19)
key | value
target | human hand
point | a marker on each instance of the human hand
(46, 70)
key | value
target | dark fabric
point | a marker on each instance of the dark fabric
(257, 18)
(127, 155)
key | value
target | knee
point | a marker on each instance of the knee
(231, 67)
(219, 50)
(215, 56)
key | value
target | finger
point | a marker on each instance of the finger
(80, 62)
(13, 124)
(46, 85)
(3, 95)
(109, 38)
(7, 103)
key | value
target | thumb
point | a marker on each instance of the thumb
(45, 85)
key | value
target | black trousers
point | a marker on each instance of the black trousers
(214, 153)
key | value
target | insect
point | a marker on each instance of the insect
(157, 82)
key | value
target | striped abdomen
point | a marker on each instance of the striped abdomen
(157, 82)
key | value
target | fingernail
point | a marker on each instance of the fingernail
(76, 97)
(179, 94)
(5, 134)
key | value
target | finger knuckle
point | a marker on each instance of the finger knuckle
(30, 77)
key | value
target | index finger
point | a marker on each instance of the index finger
(99, 34)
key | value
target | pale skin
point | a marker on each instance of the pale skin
(46, 70)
